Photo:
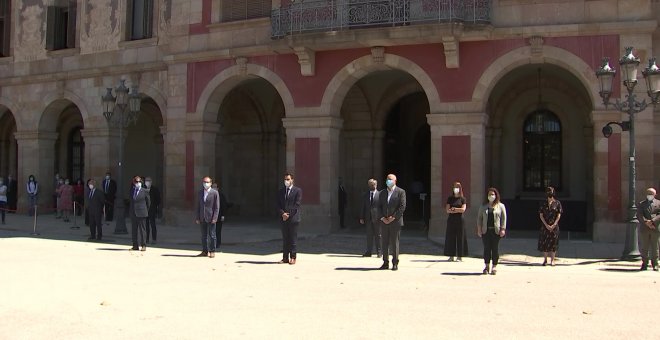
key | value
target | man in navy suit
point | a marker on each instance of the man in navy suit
(207, 212)
(139, 211)
(94, 205)
(110, 190)
(392, 205)
(288, 205)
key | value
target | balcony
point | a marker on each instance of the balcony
(309, 16)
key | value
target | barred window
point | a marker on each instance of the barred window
(61, 25)
(139, 19)
(542, 156)
(235, 10)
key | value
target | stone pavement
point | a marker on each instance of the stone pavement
(57, 285)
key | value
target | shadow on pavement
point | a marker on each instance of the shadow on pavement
(358, 269)
(462, 274)
(259, 262)
(621, 270)
(114, 249)
(332, 255)
(178, 255)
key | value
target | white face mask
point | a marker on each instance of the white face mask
(107, 176)
(147, 183)
(91, 187)
(138, 185)
(287, 183)
(650, 197)
(206, 185)
(491, 198)
(456, 191)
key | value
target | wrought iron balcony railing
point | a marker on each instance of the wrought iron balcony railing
(335, 15)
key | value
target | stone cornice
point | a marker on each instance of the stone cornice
(35, 135)
(312, 122)
(440, 119)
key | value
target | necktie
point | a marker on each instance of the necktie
(371, 199)
(91, 193)
(107, 183)
(136, 193)
(287, 192)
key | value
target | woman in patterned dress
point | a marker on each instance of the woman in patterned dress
(550, 214)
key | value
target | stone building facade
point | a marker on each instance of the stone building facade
(496, 93)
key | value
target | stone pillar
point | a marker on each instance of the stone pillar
(362, 160)
(472, 126)
(36, 156)
(100, 157)
(313, 157)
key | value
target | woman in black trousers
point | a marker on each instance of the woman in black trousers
(491, 227)
(455, 238)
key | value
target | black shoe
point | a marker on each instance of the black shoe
(379, 254)
(385, 265)
(644, 267)
(395, 266)
(367, 254)
(91, 238)
(135, 248)
(203, 254)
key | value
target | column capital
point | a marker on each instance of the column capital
(99, 132)
(458, 118)
(203, 127)
(312, 122)
(35, 135)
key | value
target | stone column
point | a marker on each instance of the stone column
(36, 156)
(101, 153)
(360, 152)
(319, 183)
(456, 124)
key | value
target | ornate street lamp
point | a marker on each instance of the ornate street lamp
(121, 112)
(630, 106)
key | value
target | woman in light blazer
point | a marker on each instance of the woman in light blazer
(491, 227)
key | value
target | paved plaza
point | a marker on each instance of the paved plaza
(57, 285)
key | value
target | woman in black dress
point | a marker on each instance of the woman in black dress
(550, 214)
(455, 238)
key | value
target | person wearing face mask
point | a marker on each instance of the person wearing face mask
(32, 187)
(154, 197)
(392, 203)
(455, 238)
(12, 194)
(3, 199)
(207, 212)
(78, 196)
(342, 200)
(221, 220)
(110, 193)
(550, 214)
(369, 216)
(491, 227)
(138, 210)
(289, 199)
(648, 213)
(59, 213)
(65, 203)
(94, 210)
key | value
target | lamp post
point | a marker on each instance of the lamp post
(630, 106)
(121, 112)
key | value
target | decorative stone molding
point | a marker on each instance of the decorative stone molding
(378, 54)
(450, 44)
(306, 59)
(242, 65)
(536, 43)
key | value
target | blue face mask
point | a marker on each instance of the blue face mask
(389, 183)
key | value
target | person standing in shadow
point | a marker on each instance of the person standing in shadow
(369, 216)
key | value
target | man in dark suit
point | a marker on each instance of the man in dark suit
(289, 199)
(392, 205)
(138, 209)
(94, 208)
(648, 213)
(207, 212)
(369, 216)
(110, 189)
(154, 208)
(341, 200)
(12, 194)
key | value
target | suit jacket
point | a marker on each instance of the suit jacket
(207, 210)
(649, 210)
(154, 200)
(370, 211)
(111, 192)
(139, 204)
(395, 207)
(290, 204)
(94, 204)
(223, 204)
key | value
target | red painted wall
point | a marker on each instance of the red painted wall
(614, 177)
(456, 165)
(453, 84)
(200, 27)
(308, 169)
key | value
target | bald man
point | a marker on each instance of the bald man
(648, 213)
(392, 203)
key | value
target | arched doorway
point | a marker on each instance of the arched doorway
(540, 133)
(69, 159)
(250, 148)
(143, 149)
(8, 145)
(385, 131)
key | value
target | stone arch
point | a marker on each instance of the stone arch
(55, 103)
(13, 107)
(522, 56)
(211, 98)
(341, 83)
(156, 95)
(393, 95)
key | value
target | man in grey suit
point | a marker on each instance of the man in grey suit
(648, 213)
(369, 216)
(392, 203)
(139, 211)
(207, 211)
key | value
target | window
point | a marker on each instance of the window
(76, 155)
(140, 19)
(234, 10)
(542, 151)
(5, 28)
(61, 25)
